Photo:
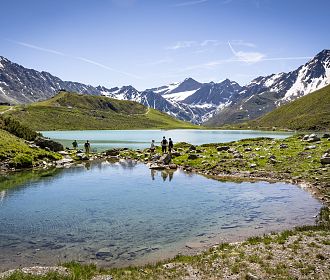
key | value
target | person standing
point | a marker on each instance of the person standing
(170, 145)
(152, 147)
(164, 145)
(87, 147)
(75, 144)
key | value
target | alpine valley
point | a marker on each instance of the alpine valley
(214, 104)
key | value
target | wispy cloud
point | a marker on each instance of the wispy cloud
(182, 45)
(248, 57)
(189, 3)
(208, 43)
(159, 62)
(38, 48)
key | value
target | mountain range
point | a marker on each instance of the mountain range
(210, 103)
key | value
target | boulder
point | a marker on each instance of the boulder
(173, 166)
(82, 156)
(166, 159)
(326, 135)
(238, 155)
(311, 147)
(112, 152)
(192, 148)
(192, 156)
(311, 138)
(43, 142)
(325, 159)
(248, 149)
(222, 148)
(157, 167)
(175, 154)
(283, 146)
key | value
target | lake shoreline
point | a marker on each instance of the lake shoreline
(315, 187)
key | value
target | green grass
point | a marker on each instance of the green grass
(16, 153)
(310, 112)
(70, 111)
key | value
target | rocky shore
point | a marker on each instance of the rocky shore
(302, 253)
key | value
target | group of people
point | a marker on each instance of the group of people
(164, 144)
(87, 146)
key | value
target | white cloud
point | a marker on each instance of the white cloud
(248, 57)
(189, 3)
(182, 45)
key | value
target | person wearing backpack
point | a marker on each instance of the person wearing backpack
(164, 145)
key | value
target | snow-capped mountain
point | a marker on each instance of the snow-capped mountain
(22, 85)
(190, 100)
(264, 94)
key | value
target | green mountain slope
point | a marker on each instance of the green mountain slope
(71, 111)
(310, 112)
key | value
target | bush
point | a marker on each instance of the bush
(15, 127)
(23, 160)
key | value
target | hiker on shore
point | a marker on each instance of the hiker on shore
(87, 147)
(164, 145)
(170, 145)
(152, 147)
(75, 144)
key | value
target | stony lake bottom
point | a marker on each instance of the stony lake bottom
(122, 213)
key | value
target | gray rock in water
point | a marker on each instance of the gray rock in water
(166, 159)
(103, 253)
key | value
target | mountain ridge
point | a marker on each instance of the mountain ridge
(214, 103)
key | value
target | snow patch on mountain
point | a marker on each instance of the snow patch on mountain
(178, 96)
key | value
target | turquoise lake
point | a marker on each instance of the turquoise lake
(139, 139)
(122, 213)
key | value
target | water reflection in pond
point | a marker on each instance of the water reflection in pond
(123, 213)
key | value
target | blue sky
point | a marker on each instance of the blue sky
(147, 43)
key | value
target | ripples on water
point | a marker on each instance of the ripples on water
(123, 213)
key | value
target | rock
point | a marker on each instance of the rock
(63, 153)
(155, 157)
(258, 149)
(238, 155)
(102, 277)
(45, 142)
(253, 165)
(166, 159)
(173, 166)
(310, 147)
(283, 146)
(192, 148)
(231, 151)
(64, 161)
(193, 156)
(222, 148)
(248, 149)
(104, 252)
(311, 138)
(82, 156)
(272, 157)
(38, 271)
(326, 135)
(325, 159)
(112, 152)
(33, 146)
(156, 167)
(175, 154)
(250, 276)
